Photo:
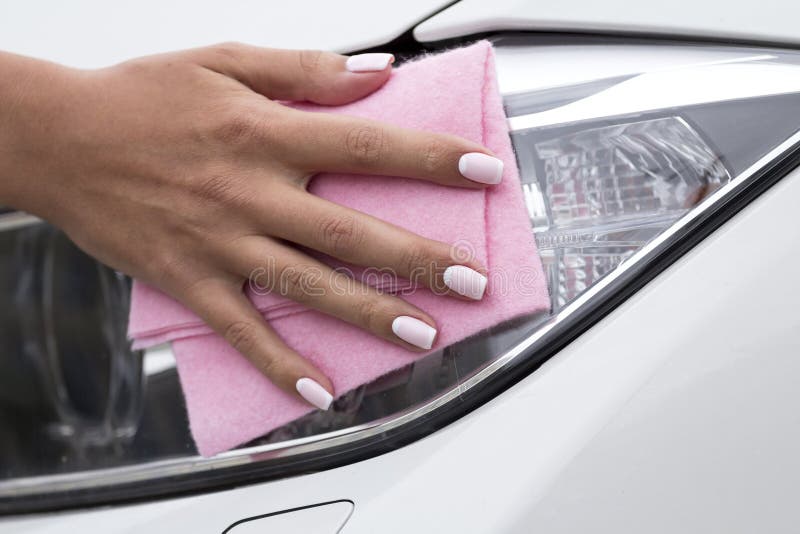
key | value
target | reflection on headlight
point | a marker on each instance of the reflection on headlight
(597, 194)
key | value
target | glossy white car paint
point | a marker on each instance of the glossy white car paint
(329, 517)
(676, 413)
(770, 20)
(94, 33)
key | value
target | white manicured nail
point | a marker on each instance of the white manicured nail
(368, 62)
(414, 331)
(465, 281)
(311, 391)
(481, 168)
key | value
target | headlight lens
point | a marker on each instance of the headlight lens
(609, 163)
(623, 166)
(595, 195)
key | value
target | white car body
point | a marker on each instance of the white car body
(677, 412)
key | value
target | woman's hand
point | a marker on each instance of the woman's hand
(182, 170)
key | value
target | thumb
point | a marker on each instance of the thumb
(296, 75)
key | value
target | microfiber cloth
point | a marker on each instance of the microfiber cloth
(229, 401)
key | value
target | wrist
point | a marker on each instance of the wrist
(33, 100)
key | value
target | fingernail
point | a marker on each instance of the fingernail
(368, 62)
(481, 168)
(465, 281)
(414, 331)
(311, 391)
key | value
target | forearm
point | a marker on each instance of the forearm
(33, 96)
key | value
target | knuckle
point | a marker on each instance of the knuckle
(229, 50)
(268, 365)
(297, 282)
(228, 57)
(368, 313)
(215, 188)
(341, 236)
(416, 260)
(310, 61)
(365, 144)
(241, 335)
(311, 66)
(434, 156)
(222, 189)
(240, 128)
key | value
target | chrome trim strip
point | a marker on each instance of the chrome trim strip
(107, 478)
(17, 219)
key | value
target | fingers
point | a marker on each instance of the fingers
(276, 268)
(360, 239)
(319, 142)
(320, 77)
(223, 306)
(316, 142)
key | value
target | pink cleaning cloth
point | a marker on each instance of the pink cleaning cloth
(229, 401)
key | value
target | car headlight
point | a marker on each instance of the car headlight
(629, 155)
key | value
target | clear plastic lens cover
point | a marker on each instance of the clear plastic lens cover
(606, 190)
(637, 170)
(610, 159)
(612, 153)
